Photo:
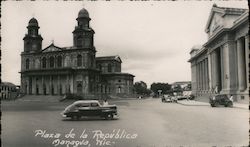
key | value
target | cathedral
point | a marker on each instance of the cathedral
(71, 70)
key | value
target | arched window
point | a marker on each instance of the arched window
(109, 67)
(79, 41)
(51, 61)
(119, 89)
(79, 60)
(44, 62)
(27, 63)
(59, 61)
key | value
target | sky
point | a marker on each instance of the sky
(153, 38)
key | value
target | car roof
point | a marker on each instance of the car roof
(86, 101)
(219, 94)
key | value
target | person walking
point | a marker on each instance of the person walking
(231, 98)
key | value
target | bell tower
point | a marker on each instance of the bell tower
(83, 35)
(32, 40)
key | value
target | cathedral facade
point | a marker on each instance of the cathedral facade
(70, 70)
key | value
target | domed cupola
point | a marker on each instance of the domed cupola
(33, 22)
(83, 33)
(83, 13)
(32, 40)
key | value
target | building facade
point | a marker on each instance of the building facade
(221, 64)
(70, 70)
(8, 91)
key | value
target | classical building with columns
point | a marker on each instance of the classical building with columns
(70, 70)
(221, 64)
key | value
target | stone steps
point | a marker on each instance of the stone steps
(40, 98)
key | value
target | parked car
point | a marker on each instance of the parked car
(191, 97)
(181, 97)
(89, 108)
(166, 98)
(220, 99)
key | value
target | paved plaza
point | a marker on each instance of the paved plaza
(141, 123)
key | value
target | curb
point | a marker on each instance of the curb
(208, 105)
(192, 104)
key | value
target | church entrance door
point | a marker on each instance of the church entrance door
(79, 88)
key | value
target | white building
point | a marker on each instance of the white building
(221, 64)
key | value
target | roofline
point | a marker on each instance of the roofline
(243, 19)
(222, 10)
(52, 44)
(108, 58)
(118, 73)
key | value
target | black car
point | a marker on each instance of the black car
(89, 108)
(220, 99)
(166, 99)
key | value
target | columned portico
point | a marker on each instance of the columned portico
(226, 55)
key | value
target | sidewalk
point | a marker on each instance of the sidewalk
(198, 103)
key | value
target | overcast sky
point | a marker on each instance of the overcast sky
(152, 38)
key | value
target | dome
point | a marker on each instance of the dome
(83, 13)
(33, 22)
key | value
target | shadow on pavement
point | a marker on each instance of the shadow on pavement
(89, 119)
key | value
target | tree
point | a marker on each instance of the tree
(177, 88)
(164, 87)
(141, 88)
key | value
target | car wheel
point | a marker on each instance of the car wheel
(109, 116)
(216, 104)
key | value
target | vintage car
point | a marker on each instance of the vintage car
(168, 99)
(220, 99)
(89, 108)
(165, 99)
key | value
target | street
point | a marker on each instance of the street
(151, 123)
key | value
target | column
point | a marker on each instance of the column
(208, 78)
(67, 85)
(50, 83)
(247, 59)
(209, 72)
(241, 65)
(197, 76)
(43, 85)
(198, 81)
(71, 83)
(205, 75)
(58, 85)
(216, 71)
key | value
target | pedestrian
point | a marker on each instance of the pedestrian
(216, 89)
(105, 103)
(231, 98)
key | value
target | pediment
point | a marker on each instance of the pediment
(118, 59)
(222, 17)
(215, 21)
(52, 48)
